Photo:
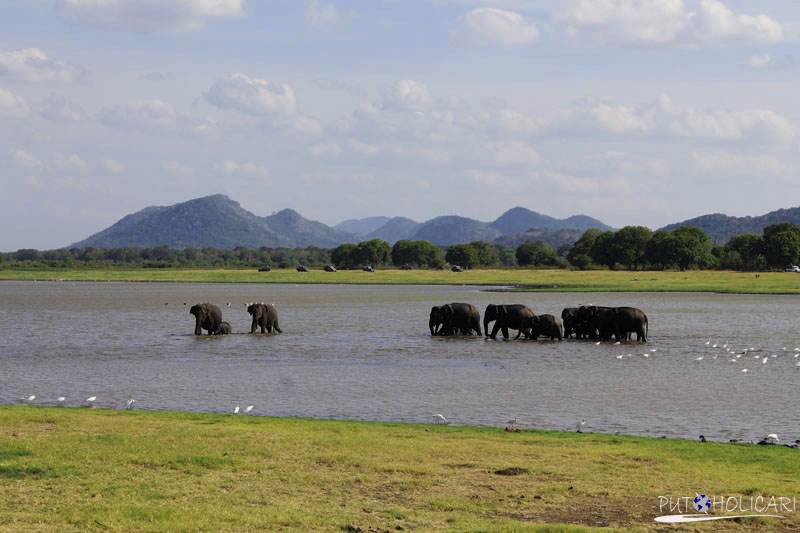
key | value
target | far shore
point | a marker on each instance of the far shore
(78, 469)
(712, 281)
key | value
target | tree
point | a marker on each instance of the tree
(692, 247)
(342, 255)
(629, 245)
(403, 253)
(535, 253)
(660, 250)
(376, 252)
(462, 255)
(749, 248)
(602, 251)
(580, 254)
(487, 254)
(782, 244)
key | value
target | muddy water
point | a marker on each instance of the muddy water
(360, 352)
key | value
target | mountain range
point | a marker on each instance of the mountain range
(220, 222)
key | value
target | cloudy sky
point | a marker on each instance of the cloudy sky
(632, 111)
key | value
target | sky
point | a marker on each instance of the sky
(636, 112)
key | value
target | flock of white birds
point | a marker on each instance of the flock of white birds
(129, 405)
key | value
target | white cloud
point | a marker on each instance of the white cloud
(155, 115)
(57, 108)
(33, 65)
(322, 15)
(71, 162)
(307, 126)
(252, 95)
(150, 15)
(490, 25)
(363, 148)
(513, 153)
(724, 162)
(230, 166)
(759, 61)
(11, 105)
(753, 124)
(24, 159)
(492, 179)
(407, 95)
(113, 166)
(178, 169)
(666, 22)
(326, 149)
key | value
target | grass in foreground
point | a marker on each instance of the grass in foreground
(538, 280)
(81, 469)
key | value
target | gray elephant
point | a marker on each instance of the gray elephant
(265, 316)
(631, 320)
(454, 318)
(223, 329)
(546, 326)
(569, 317)
(207, 317)
(505, 317)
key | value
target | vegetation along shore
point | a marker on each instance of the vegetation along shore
(518, 279)
(73, 469)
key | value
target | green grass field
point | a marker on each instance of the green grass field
(73, 469)
(538, 280)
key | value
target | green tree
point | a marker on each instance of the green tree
(782, 244)
(629, 245)
(403, 253)
(487, 254)
(603, 249)
(692, 247)
(535, 253)
(660, 250)
(342, 255)
(750, 250)
(508, 257)
(580, 255)
(461, 254)
(375, 252)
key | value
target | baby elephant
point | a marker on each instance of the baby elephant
(546, 326)
(223, 329)
(265, 316)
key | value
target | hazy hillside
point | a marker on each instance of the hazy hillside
(214, 221)
(722, 227)
(553, 237)
(303, 232)
(447, 230)
(520, 219)
(362, 226)
(395, 229)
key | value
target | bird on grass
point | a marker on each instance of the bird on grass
(579, 426)
(439, 419)
(248, 409)
(61, 400)
(129, 404)
(513, 422)
(30, 398)
(236, 409)
(90, 401)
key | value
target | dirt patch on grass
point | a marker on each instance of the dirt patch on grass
(512, 471)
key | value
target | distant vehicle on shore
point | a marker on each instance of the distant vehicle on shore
(793, 268)
(264, 268)
(302, 268)
(330, 268)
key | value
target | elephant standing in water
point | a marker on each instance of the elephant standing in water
(569, 317)
(505, 317)
(450, 319)
(265, 316)
(546, 326)
(631, 320)
(207, 317)
(223, 329)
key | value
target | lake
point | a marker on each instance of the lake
(365, 353)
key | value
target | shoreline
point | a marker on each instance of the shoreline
(183, 471)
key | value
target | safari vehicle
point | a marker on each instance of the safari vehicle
(793, 268)
(264, 268)
(405, 267)
(368, 268)
(457, 268)
(330, 268)
(302, 268)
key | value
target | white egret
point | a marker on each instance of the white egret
(61, 400)
(764, 361)
(654, 349)
(512, 422)
(620, 357)
(699, 358)
(796, 355)
(90, 401)
(597, 343)
(744, 371)
(715, 344)
(236, 409)
(708, 342)
(129, 404)
(579, 426)
(773, 436)
(774, 356)
(617, 343)
(645, 354)
(31, 398)
(714, 357)
(439, 419)
(248, 408)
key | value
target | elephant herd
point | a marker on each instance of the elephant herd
(209, 317)
(584, 322)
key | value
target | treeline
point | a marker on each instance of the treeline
(632, 247)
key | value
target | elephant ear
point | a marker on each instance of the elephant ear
(502, 310)
(448, 310)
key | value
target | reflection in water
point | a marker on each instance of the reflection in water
(363, 352)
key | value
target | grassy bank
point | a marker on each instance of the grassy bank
(538, 280)
(81, 469)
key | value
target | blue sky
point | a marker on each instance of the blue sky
(632, 111)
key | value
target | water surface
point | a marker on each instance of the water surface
(364, 352)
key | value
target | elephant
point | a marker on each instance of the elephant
(223, 329)
(505, 317)
(546, 326)
(450, 319)
(595, 322)
(631, 320)
(569, 317)
(207, 316)
(265, 316)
